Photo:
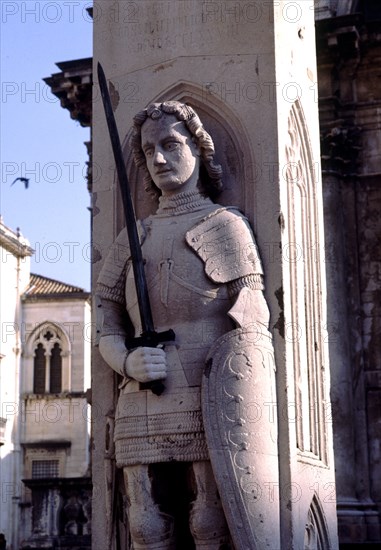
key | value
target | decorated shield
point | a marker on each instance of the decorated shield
(240, 420)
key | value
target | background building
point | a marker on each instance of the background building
(15, 269)
(45, 372)
(348, 56)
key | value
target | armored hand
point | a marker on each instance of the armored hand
(146, 364)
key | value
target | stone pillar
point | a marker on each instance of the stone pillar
(339, 348)
(249, 69)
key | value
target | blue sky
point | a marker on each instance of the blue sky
(40, 141)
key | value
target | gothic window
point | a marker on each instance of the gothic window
(49, 348)
(56, 369)
(39, 369)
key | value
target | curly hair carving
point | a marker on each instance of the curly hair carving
(210, 172)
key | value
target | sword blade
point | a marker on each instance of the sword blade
(149, 337)
(133, 237)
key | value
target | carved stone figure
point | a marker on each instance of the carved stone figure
(205, 282)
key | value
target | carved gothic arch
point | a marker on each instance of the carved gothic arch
(48, 335)
(231, 144)
(316, 532)
(303, 254)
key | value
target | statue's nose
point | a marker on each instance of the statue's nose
(159, 158)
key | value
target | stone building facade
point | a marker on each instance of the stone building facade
(349, 54)
(15, 268)
(46, 419)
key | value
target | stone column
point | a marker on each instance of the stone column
(249, 69)
(339, 347)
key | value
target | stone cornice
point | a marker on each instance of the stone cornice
(341, 37)
(73, 87)
(14, 243)
(47, 444)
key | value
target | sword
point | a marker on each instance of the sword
(149, 337)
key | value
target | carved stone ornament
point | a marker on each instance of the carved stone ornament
(306, 288)
(239, 411)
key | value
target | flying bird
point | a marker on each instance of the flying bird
(24, 180)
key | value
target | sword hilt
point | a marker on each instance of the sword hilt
(151, 339)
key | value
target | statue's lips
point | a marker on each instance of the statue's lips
(163, 172)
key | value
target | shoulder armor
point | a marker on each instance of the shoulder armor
(225, 242)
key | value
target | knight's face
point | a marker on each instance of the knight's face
(171, 155)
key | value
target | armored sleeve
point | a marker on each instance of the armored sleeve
(110, 292)
(111, 280)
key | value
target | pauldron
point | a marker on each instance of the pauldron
(226, 244)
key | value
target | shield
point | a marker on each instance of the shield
(240, 421)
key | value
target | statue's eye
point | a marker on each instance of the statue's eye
(171, 145)
(148, 153)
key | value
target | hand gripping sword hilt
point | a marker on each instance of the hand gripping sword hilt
(151, 339)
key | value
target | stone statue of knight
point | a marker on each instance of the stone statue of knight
(205, 282)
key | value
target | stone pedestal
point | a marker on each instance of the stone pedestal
(249, 70)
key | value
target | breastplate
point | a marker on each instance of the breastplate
(168, 427)
(182, 296)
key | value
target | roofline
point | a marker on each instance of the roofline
(75, 63)
(68, 292)
(58, 296)
(14, 242)
(55, 281)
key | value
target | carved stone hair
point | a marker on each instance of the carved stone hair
(210, 173)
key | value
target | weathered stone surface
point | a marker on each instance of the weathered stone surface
(253, 90)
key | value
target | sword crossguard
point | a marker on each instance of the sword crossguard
(151, 339)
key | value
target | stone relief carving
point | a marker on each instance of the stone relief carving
(304, 260)
(192, 456)
(316, 532)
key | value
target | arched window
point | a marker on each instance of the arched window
(56, 369)
(39, 369)
(50, 348)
